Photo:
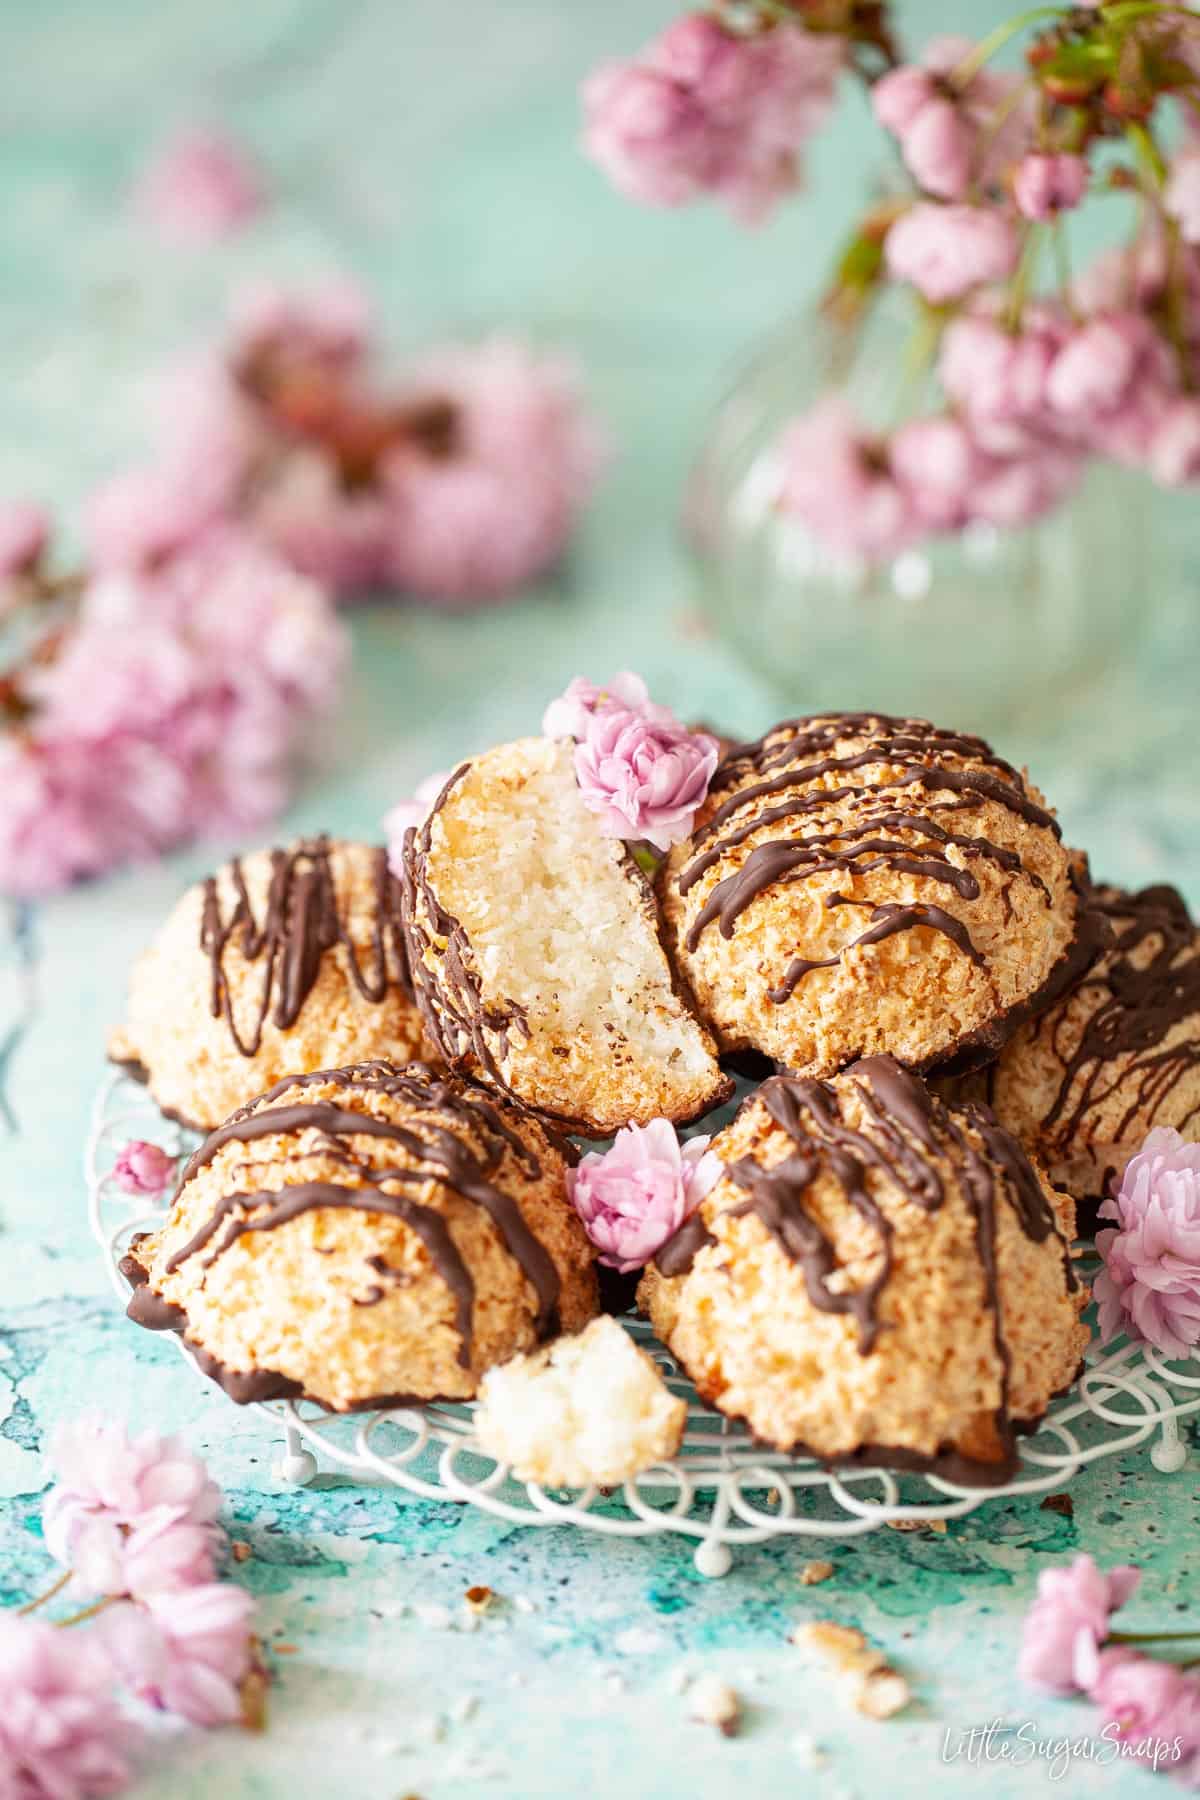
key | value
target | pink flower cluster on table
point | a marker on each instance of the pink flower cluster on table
(1067, 1647)
(708, 109)
(199, 185)
(460, 485)
(636, 1195)
(133, 1521)
(1149, 1287)
(642, 771)
(177, 702)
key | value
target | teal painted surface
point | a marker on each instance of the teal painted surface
(431, 148)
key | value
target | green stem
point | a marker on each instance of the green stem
(41, 1599)
(1149, 156)
(995, 40)
(1023, 279)
(1149, 1637)
(918, 358)
(1062, 266)
(89, 1612)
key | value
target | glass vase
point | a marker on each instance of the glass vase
(990, 629)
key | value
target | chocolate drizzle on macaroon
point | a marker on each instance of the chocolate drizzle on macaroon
(799, 763)
(1144, 987)
(301, 920)
(453, 1010)
(908, 1137)
(457, 1136)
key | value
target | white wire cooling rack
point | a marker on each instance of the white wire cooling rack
(722, 1490)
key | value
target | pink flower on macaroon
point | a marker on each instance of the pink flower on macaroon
(644, 773)
(62, 1735)
(407, 815)
(1069, 1621)
(1149, 1287)
(569, 714)
(635, 1196)
(143, 1168)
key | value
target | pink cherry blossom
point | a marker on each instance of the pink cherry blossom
(636, 1195)
(1112, 385)
(945, 251)
(339, 538)
(568, 715)
(185, 1652)
(1069, 1621)
(115, 1495)
(495, 509)
(938, 462)
(645, 777)
(1014, 490)
(62, 1736)
(140, 519)
(143, 1168)
(1149, 1287)
(200, 185)
(1046, 185)
(836, 478)
(899, 96)
(328, 322)
(707, 109)
(1141, 1699)
(1175, 445)
(407, 815)
(24, 534)
(997, 376)
(937, 148)
(1181, 196)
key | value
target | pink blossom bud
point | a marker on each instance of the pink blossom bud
(937, 150)
(1044, 186)
(1175, 446)
(143, 1168)
(1181, 196)
(937, 462)
(898, 97)
(24, 532)
(945, 251)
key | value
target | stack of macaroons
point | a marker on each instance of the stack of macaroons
(858, 902)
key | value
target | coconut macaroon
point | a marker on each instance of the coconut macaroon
(878, 1278)
(535, 954)
(1083, 1084)
(583, 1411)
(283, 961)
(366, 1236)
(861, 884)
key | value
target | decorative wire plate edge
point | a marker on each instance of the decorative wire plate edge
(721, 1489)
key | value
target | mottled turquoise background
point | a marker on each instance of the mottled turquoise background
(431, 149)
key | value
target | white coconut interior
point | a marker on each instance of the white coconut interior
(556, 924)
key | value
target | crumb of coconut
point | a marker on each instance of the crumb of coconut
(479, 1598)
(713, 1702)
(813, 1572)
(240, 1550)
(876, 1689)
(524, 1604)
(882, 1692)
(586, 1410)
(463, 1708)
(805, 1749)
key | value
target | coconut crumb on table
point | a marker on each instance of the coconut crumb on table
(813, 1572)
(713, 1702)
(876, 1689)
